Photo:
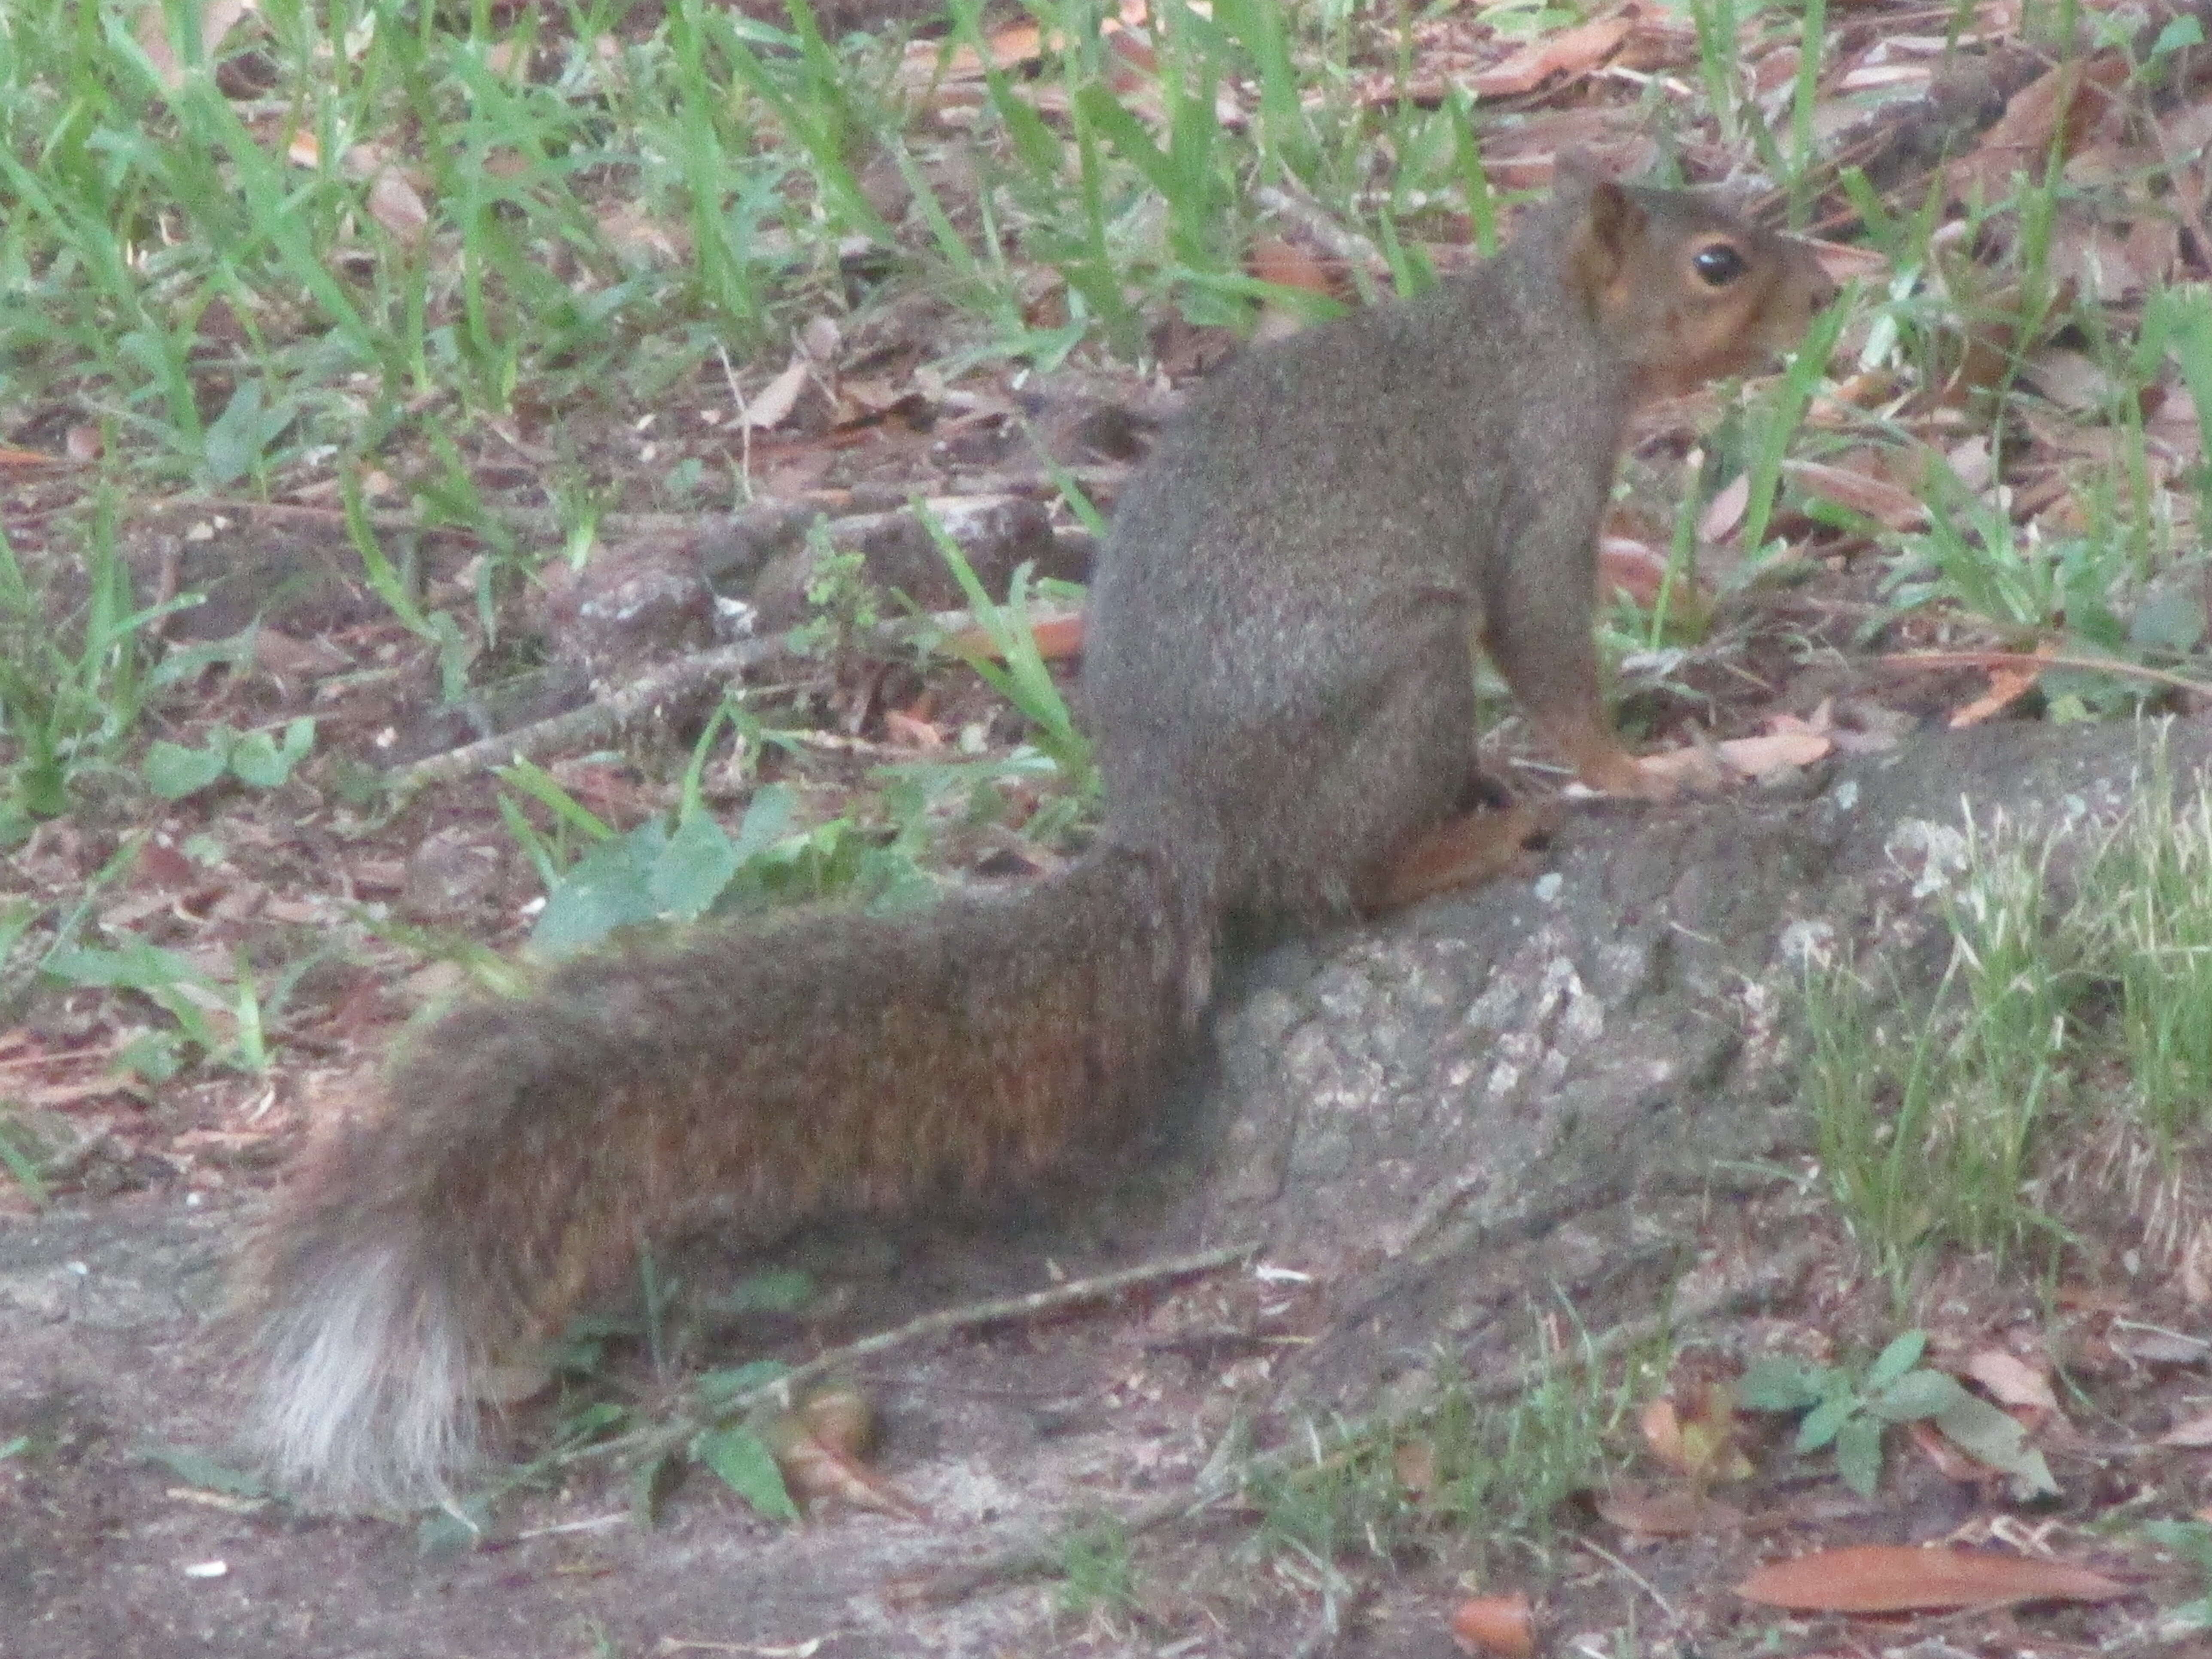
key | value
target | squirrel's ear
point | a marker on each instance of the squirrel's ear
(1613, 221)
(1608, 231)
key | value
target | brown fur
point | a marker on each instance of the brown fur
(1279, 672)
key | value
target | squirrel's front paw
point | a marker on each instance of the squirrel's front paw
(1661, 777)
(1657, 778)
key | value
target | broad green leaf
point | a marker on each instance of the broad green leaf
(716, 1389)
(136, 966)
(196, 1468)
(172, 771)
(1916, 1394)
(694, 868)
(1858, 1453)
(744, 1461)
(1784, 1384)
(1894, 1361)
(1824, 1420)
(1997, 1438)
(259, 759)
(610, 887)
(766, 818)
(454, 1531)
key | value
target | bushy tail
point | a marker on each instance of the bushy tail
(818, 1064)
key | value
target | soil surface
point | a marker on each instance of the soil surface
(1572, 1093)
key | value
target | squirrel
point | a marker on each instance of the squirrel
(1278, 676)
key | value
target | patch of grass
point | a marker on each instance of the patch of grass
(2146, 910)
(1461, 1468)
(1095, 1570)
(222, 1024)
(1973, 555)
(680, 867)
(1936, 1112)
(1926, 1108)
(2193, 1541)
(1019, 675)
(22, 1168)
(74, 677)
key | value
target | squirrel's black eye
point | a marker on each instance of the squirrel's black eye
(1718, 264)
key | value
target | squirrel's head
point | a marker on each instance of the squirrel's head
(1684, 288)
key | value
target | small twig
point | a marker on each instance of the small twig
(1734, 1297)
(1033, 1559)
(975, 1313)
(590, 1523)
(2037, 660)
(783, 1390)
(1634, 1577)
(676, 682)
(686, 679)
(1310, 216)
(59, 1057)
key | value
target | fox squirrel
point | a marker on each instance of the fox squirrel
(1279, 674)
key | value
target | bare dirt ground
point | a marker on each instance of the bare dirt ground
(1648, 1147)
(1563, 1106)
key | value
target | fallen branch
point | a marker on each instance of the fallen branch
(645, 1448)
(2037, 661)
(695, 676)
(680, 682)
(1041, 1556)
(973, 1314)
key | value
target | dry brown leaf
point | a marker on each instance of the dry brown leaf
(1414, 1463)
(1057, 638)
(1663, 1434)
(1981, 368)
(2195, 1431)
(1944, 1454)
(393, 204)
(2008, 683)
(1872, 77)
(1505, 1625)
(638, 238)
(1879, 499)
(1677, 1514)
(1627, 566)
(819, 339)
(1756, 757)
(1724, 512)
(217, 19)
(1973, 463)
(1570, 52)
(1285, 264)
(2072, 379)
(1693, 768)
(1011, 47)
(820, 1447)
(1845, 263)
(911, 730)
(1901, 1578)
(1135, 62)
(2064, 104)
(772, 404)
(2011, 1380)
